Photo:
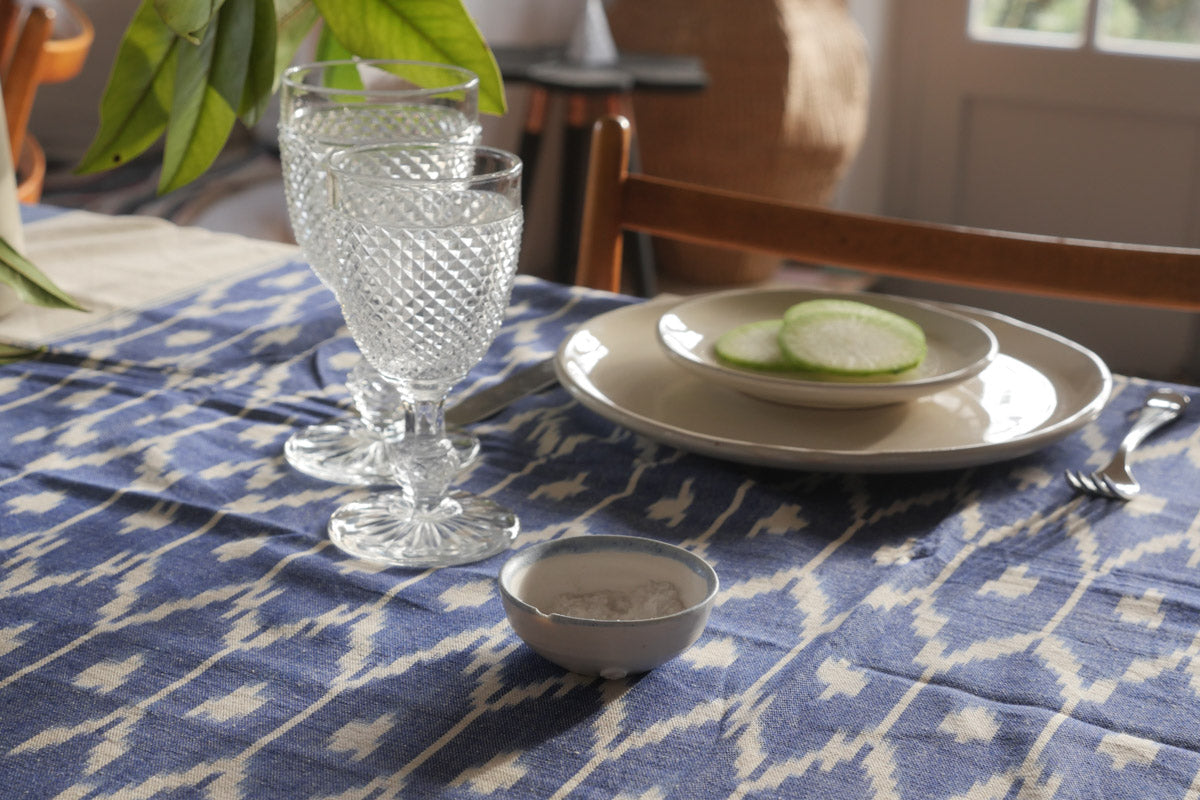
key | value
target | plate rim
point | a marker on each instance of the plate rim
(867, 392)
(845, 461)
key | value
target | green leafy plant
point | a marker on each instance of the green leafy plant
(30, 283)
(190, 69)
(187, 70)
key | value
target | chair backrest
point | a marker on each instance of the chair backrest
(617, 200)
(38, 45)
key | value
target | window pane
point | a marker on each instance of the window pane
(1053, 23)
(1157, 27)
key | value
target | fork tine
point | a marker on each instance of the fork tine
(1111, 488)
(1083, 482)
(1092, 484)
(1101, 485)
(1104, 487)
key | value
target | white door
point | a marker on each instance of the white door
(1073, 133)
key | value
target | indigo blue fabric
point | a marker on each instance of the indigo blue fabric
(174, 622)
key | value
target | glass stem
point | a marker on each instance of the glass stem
(428, 459)
(377, 402)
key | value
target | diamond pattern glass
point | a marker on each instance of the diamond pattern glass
(388, 101)
(427, 238)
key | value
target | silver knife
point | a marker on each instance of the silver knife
(495, 399)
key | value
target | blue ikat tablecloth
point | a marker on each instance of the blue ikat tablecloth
(175, 624)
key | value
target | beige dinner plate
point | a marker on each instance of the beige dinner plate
(957, 348)
(1039, 388)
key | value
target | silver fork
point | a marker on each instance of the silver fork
(1115, 480)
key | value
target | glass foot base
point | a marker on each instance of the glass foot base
(347, 451)
(463, 529)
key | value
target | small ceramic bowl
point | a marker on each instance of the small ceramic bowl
(607, 605)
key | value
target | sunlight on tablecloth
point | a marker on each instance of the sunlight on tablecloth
(94, 258)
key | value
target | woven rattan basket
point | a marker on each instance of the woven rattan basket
(783, 115)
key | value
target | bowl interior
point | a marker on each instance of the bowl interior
(630, 577)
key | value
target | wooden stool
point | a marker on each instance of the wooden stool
(590, 91)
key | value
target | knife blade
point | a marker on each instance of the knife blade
(494, 399)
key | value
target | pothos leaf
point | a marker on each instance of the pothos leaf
(29, 282)
(426, 30)
(11, 353)
(260, 76)
(209, 81)
(133, 111)
(330, 49)
(141, 98)
(187, 18)
(293, 20)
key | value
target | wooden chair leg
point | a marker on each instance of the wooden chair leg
(20, 82)
(531, 139)
(600, 239)
(31, 172)
(10, 16)
(573, 180)
(638, 248)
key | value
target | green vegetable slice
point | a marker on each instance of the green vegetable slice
(754, 345)
(845, 337)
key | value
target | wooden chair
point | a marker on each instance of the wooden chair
(617, 200)
(32, 54)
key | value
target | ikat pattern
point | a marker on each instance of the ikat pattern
(174, 623)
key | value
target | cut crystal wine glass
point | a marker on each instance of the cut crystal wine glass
(332, 104)
(427, 238)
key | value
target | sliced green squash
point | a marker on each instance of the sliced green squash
(845, 337)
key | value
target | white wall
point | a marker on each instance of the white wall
(511, 22)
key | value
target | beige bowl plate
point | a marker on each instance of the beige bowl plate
(1040, 388)
(958, 348)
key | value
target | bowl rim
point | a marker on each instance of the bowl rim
(591, 542)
